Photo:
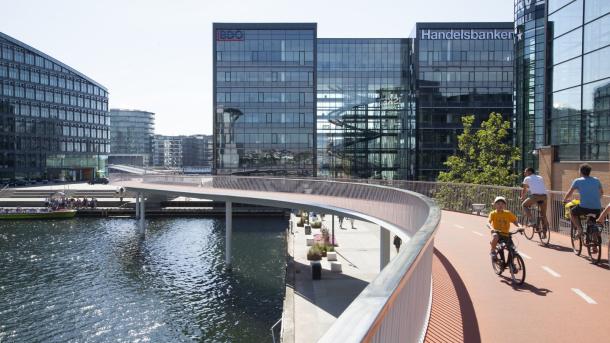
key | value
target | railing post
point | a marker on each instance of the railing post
(384, 247)
(229, 232)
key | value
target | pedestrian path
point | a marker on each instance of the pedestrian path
(317, 303)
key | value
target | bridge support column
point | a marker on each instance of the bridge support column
(142, 214)
(138, 206)
(384, 247)
(229, 232)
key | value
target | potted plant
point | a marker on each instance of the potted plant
(314, 253)
(316, 224)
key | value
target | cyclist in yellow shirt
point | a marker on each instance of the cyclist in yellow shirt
(499, 222)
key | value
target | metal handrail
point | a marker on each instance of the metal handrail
(273, 328)
(395, 306)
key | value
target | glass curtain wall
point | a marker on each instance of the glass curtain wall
(264, 99)
(530, 53)
(53, 119)
(364, 118)
(579, 79)
(457, 77)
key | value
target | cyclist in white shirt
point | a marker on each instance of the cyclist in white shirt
(534, 185)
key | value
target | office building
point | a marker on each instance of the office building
(576, 123)
(364, 116)
(462, 69)
(53, 119)
(167, 151)
(530, 54)
(197, 151)
(384, 108)
(264, 108)
(131, 135)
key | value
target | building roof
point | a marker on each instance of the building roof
(38, 52)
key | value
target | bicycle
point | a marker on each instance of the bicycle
(544, 234)
(510, 259)
(591, 235)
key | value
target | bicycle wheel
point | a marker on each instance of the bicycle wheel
(576, 241)
(595, 242)
(517, 269)
(529, 232)
(544, 234)
(499, 264)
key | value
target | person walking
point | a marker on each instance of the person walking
(397, 242)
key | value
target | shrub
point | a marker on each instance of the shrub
(300, 222)
(316, 224)
(314, 253)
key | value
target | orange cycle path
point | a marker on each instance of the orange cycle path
(565, 298)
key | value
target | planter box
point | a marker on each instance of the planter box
(309, 240)
(336, 267)
(331, 256)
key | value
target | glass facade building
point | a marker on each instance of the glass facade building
(364, 116)
(578, 68)
(53, 119)
(167, 151)
(530, 59)
(131, 135)
(264, 108)
(197, 151)
(462, 69)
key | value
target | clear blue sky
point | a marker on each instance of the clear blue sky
(157, 55)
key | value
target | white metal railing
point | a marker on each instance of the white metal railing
(395, 306)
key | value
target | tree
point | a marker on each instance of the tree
(485, 156)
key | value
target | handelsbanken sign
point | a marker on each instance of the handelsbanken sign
(466, 34)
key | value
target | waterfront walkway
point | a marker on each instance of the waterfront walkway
(312, 306)
(564, 298)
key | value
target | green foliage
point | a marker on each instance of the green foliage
(485, 156)
(316, 224)
(314, 253)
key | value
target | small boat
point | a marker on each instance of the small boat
(37, 214)
(56, 209)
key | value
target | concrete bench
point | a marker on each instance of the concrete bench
(336, 267)
(331, 256)
(478, 208)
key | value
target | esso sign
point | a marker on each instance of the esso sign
(229, 35)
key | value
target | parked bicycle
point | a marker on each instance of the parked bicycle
(544, 234)
(590, 236)
(507, 256)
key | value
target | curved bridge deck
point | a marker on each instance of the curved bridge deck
(471, 303)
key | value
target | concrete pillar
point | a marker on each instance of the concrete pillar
(384, 247)
(229, 232)
(137, 205)
(142, 214)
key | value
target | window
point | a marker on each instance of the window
(597, 34)
(596, 65)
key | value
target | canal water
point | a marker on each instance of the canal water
(96, 280)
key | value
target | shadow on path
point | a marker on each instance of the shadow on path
(333, 293)
(453, 317)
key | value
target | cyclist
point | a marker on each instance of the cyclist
(534, 184)
(499, 223)
(591, 191)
